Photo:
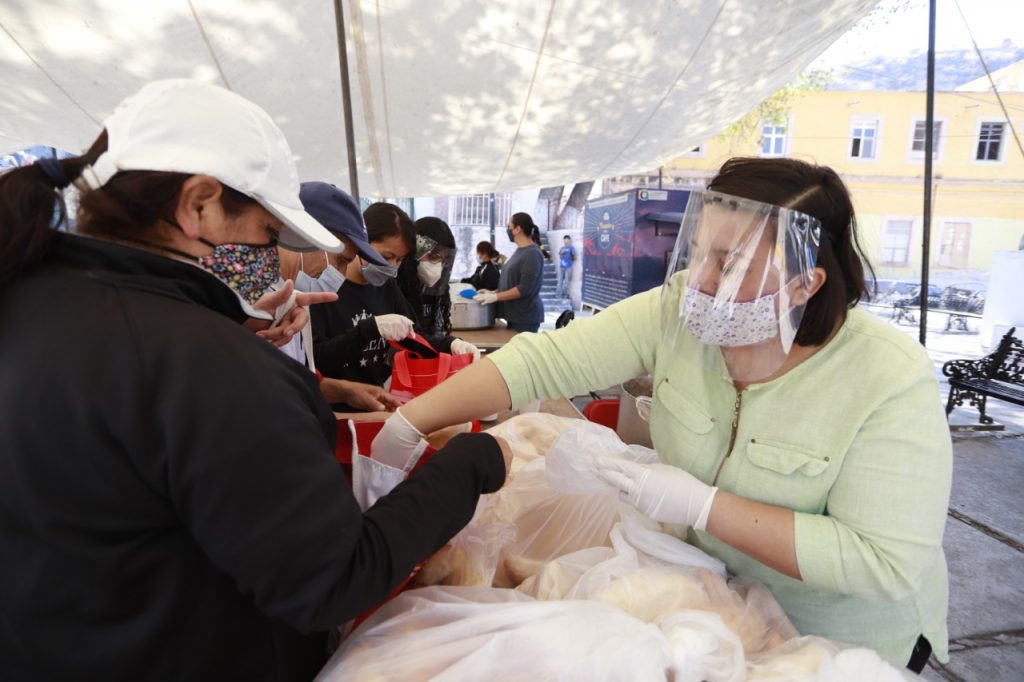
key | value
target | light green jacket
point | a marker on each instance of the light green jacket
(854, 440)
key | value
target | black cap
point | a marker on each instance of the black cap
(335, 210)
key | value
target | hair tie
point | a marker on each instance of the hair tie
(54, 170)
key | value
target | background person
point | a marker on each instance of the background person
(566, 257)
(433, 261)
(351, 335)
(802, 439)
(521, 278)
(486, 276)
(323, 272)
(187, 518)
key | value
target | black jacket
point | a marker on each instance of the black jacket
(486, 276)
(346, 343)
(170, 507)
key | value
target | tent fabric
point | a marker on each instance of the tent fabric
(448, 96)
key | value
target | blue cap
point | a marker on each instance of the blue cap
(335, 210)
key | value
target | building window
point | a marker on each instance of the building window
(990, 141)
(773, 139)
(475, 209)
(864, 139)
(896, 242)
(955, 248)
(695, 151)
(917, 144)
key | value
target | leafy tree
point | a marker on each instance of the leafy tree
(745, 134)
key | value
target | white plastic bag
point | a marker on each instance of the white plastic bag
(822, 660)
(572, 457)
(452, 633)
(703, 647)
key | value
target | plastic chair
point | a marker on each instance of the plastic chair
(604, 411)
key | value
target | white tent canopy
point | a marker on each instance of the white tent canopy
(448, 96)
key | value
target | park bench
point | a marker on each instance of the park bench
(998, 375)
(905, 312)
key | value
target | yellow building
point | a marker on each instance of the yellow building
(875, 141)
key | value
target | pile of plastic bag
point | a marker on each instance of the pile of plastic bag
(554, 578)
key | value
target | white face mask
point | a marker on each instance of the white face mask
(329, 281)
(730, 323)
(429, 272)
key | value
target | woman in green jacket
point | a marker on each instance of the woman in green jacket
(803, 441)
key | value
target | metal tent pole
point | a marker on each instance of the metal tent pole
(928, 146)
(346, 101)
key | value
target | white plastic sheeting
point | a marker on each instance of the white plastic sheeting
(449, 96)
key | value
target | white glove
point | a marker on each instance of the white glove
(659, 491)
(394, 327)
(399, 444)
(460, 347)
(485, 297)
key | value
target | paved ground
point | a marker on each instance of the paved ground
(984, 530)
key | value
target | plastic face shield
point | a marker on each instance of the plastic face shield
(738, 282)
(429, 250)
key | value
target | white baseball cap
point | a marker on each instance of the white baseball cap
(187, 126)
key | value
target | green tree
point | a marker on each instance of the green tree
(745, 134)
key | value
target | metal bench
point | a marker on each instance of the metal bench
(954, 318)
(998, 375)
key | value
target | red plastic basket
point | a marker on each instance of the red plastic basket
(412, 374)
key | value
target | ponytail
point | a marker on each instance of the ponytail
(32, 204)
(129, 203)
(525, 222)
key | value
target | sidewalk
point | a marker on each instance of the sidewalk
(984, 539)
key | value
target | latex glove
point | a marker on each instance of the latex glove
(399, 444)
(394, 327)
(485, 297)
(659, 491)
(460, 347)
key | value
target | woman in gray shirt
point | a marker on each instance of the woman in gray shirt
(519, 287)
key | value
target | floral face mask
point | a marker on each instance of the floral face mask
(249, 269)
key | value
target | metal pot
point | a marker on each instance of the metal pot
(468, 314)
(632, 428)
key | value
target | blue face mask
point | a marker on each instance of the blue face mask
(329, 281)
(378, 275)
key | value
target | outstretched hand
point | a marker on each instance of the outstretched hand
(289, 309)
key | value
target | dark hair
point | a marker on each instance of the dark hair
(440, 318)
(127, 205)
(819, 192)
(436, 229)
(524, 221)
(487, 248)
(385, 220)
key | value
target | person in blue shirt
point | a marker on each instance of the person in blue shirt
(566, 257)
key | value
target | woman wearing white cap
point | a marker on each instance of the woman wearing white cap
(169, 502)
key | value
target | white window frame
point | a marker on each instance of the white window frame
(461, 205)
(787, 135)
(854, 122)
(910, 240)
(970, 222)
(940, 148)
(1004, 143)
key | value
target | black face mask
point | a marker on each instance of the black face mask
(511, 237)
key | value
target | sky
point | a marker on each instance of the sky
(899, 28)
